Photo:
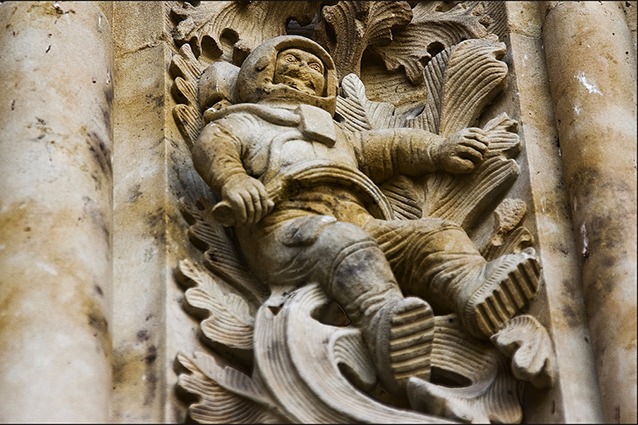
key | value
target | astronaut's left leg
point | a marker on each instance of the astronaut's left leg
(436, 260)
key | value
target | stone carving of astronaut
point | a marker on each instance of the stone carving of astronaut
(304, 197)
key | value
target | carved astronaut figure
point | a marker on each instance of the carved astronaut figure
(303, 196)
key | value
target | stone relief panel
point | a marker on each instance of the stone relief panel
(344, 273)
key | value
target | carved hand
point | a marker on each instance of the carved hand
(463, 151)
(247, 199)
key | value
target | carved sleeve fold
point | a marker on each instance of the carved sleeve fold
(388, 152)
(217, 153)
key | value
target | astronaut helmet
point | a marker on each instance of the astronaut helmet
(270, 72)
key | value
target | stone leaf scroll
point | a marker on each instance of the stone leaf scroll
(293, 355)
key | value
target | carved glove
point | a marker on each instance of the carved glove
(461, 152)
(247, 198)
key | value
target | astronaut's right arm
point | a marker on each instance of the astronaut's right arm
(217, 158)
(217, 155)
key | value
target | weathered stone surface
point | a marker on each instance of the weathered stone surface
(189, 317)
(574, 398)
(300, 191)
(594, 97)
(55, 212)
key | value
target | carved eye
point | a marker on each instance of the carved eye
(315, 66)
(290, 58)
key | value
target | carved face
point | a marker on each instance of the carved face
(300, 70)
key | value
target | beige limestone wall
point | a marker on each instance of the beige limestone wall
(139, 259)
(575, 396)
(152, 169)
(55, 216)
(592, 75)
(55, 212)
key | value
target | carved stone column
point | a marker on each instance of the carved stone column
(55, 212)
(591, 65)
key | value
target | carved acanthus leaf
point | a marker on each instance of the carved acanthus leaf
(298, 360)
(405, 197)
(459, 82)
(220, 254)
(528, 344)
(231, 29)
(225, 394)
(355, 25)
(431, 30)
(228, 321)
(358, 112)
(476, 385)
(508, 236)
(503, 139)
(187, 70)
(464, 198)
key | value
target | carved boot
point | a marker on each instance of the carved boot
(400, 339)
(504, 288)
(398, 331)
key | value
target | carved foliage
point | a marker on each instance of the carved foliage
(527, 343)
(300, 368)
(231, 29)
(432, 29)
(480, 388)
(462, 78)
(186, 71)
(371, 24)
(509, 235)
(225, 395)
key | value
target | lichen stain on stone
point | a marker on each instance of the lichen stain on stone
(49, 9)
(134, 193)
(98, 216)
(9, 320)
(42, 126)
(143, 335)
(150, 375)
(128, 369)
(617, 414)
(570, 315)
(155, 221)
(601, 232)
(44, 8)
(157, 101)
(151, 355)
(100, 153)
(106, 116)
(13, 216)
(98, 322)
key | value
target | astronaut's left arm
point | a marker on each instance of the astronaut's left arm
(413, 152)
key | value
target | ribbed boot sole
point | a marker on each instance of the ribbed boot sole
(504, 295)
(410, 340)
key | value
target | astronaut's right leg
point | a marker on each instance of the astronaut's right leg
(354, 272)
(398, 331)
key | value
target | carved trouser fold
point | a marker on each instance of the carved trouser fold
(436, 260)
(367, 271)
(354, 272)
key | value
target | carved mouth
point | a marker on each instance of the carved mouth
(299, 85)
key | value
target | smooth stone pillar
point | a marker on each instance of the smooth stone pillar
(55, 212)
(591, 67)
